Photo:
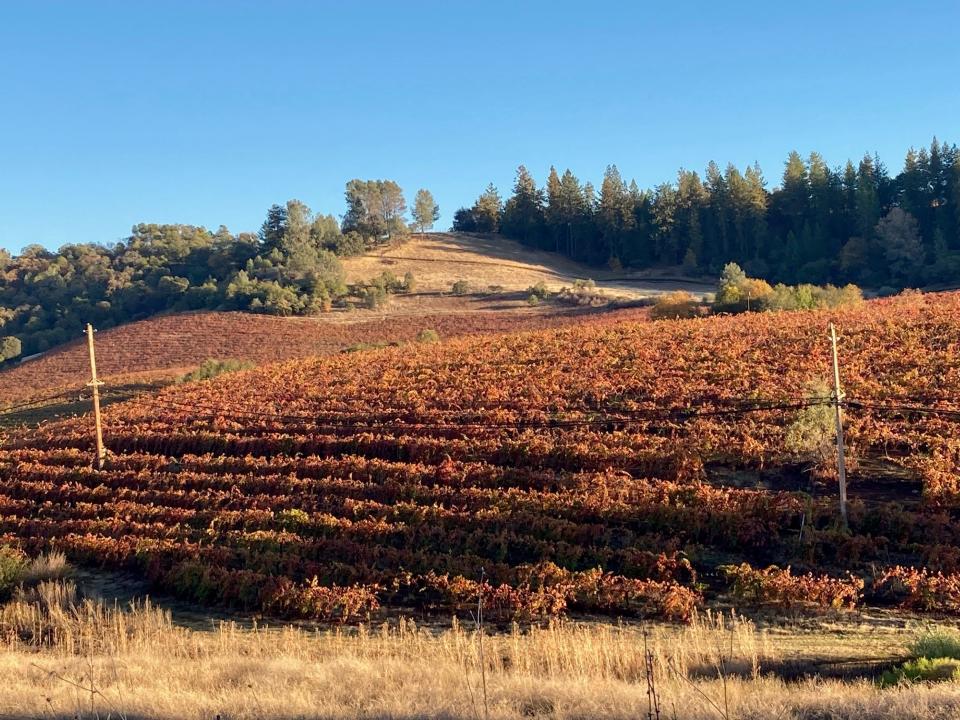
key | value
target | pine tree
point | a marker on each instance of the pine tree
(717, 237)
(554, 210)
(614, 214)
(899, 237)
(868, 198)
(848, 223)
(826, 206)
(953, 235)
(523, 212)
(692, 198)
(375, 209)
(273, 228)
(757, 204)
(574, 214)
(794, 191)
(297, 244)
(425, 210)
(553, 213)
(666, 241)
(487, 210)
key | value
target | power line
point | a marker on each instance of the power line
(906, 409)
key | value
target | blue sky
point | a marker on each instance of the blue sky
(113, 113)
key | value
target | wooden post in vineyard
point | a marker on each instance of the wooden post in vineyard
(95, 384)
(838, 411)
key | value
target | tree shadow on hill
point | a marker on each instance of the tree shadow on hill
(74, 403)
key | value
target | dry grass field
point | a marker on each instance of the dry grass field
(437, 259)
(62, 656)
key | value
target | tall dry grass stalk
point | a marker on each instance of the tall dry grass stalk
(61, 656)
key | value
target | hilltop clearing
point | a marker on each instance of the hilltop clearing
(439, 259)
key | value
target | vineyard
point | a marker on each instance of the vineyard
(162, 347)
(624, 468)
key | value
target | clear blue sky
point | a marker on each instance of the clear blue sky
(113, 113)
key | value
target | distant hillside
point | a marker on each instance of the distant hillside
(438, 259)
(135, 355)
(164, 347)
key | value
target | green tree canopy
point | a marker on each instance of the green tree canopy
(425, 210)
(375, 209)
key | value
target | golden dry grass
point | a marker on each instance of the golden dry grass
(438, 259)
(61, 657)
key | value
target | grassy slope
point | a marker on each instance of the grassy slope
(438, 259)
(138, 664)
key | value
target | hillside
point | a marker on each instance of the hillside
(439, 259)
(629, 468)
(162, 348)
(139, 355)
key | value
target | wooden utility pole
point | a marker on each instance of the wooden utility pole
(95, 384)
(837, 401)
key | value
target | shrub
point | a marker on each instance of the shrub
(533, 300)
(539, 290)
(739, 293)
(780, 588)
(313, 600)
(373, 297)
(10, 347)
(675, 305)
(352, 243)
(47, 567)
(428, 336)
(921, 589)
(812, 434)
(13, 568)
(409, 282)
(264, 296)
(212, 368)
(937, 644)
(922, 670)
(583, 293)
(387, 281)
(460, 287)
(292, 518)
(837, 297)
